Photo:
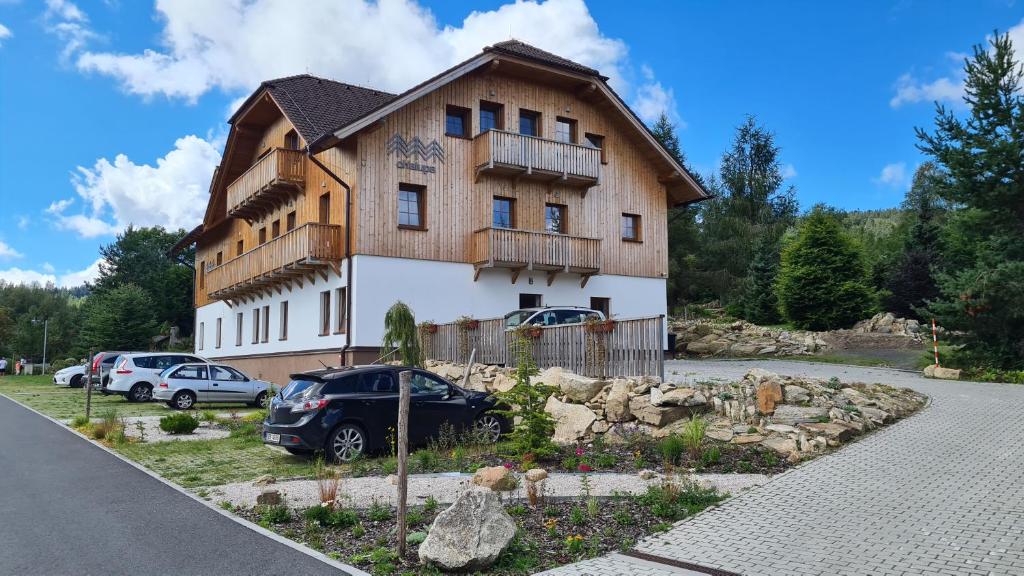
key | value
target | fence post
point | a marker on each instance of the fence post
(469, 368)
(88, 389)
(404, 390)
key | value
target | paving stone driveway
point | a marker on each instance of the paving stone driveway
(941, 492)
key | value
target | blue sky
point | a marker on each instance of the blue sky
(113, 112)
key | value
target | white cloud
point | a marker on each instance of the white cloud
(894, 175)
(69, 279)
(390, 44)
(171, 194)
(652, 99)
(48, 268)
(7, 252)
(5, 33)
(948, 89)
(788, 171)
(910, 90)
(23, 222)
(69, 24)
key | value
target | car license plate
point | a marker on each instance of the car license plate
(274, 438)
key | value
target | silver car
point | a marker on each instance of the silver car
(183, 385)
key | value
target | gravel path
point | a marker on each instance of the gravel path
(362, 492)
(941, 492)
(153, 433)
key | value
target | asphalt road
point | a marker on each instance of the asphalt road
(68, 507)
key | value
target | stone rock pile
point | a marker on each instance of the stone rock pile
(888, 323)
(793, 416)
(742, 339)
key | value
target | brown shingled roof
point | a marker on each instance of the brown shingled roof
(524, 50)
(317, 106)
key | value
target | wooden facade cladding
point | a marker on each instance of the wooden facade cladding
(277, 177)
(304, 252)
(521, 250)
(508, 153)
(458, 202)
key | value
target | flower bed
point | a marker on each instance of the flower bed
(549, 535)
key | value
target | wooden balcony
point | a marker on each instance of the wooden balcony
(267, 184)
(520, 250)
(298, 255)
(518, 156)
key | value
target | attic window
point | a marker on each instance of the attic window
(291, 140)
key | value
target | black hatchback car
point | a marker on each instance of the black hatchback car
(350, 411)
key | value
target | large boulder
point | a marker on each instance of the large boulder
(502, 383)
(471, 534)
(579, 389)
(677, 397)
(658, 416)
(572, 421)
(494, 478)
(794, 394)
(792, 415)
(616, 406)
(829, 430)
(769, 393)
(933, 371)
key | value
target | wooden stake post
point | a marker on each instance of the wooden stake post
(404, 391)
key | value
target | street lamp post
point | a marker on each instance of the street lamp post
(46, 328)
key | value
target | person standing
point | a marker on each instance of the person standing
(17, 368)
(3, 366)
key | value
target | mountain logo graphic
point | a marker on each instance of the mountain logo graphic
(415, 148)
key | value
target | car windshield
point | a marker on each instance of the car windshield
(298, 388)
(516, 318)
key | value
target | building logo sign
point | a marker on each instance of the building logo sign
(414, 149)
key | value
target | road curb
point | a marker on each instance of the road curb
(344, 568)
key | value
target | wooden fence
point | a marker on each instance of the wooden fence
(634, 347)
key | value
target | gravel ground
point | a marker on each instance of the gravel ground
(153, 432)
(361, 492)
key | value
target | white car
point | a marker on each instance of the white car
(182, 386)
(136, 375)
(70, 377)
(551, 316)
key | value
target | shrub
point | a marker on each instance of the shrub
(426, 460)
(822, 283)
(325, 516)
(79, 421)
(278, 514)
(674, 501)
(711, 456)
(62, 364)
(180, 423)
(525, 402)
(671, 448)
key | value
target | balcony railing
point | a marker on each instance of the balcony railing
(267, 184)
(516, 155)
(530, 250)
(305, 251)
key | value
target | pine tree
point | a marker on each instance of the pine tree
(982, 283)
(119, 319)
(760, 303)
(910, 283)
(822, 283)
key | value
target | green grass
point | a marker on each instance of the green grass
(212, 462)
(38, 392)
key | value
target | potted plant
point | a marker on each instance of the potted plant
(467, 323)
(428, 327)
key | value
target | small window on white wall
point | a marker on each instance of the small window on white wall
(255, 325)
(339, 315)
(325, 312)
(217, 344)
(202, 330)
(238, 329)
(283, 319)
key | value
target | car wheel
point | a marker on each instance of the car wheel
(261, 400)
(346, 443)
(183, 400)
(76, 381)
(141, 393)
(299, 451)
(487, 426)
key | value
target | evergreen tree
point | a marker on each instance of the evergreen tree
(910, 284)
(122, 318)
(750, 206)
(822, 282)
(982, 281)
(760, 303)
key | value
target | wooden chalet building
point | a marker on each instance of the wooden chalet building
(516, 178)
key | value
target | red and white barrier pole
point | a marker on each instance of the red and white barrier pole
(935, 342)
